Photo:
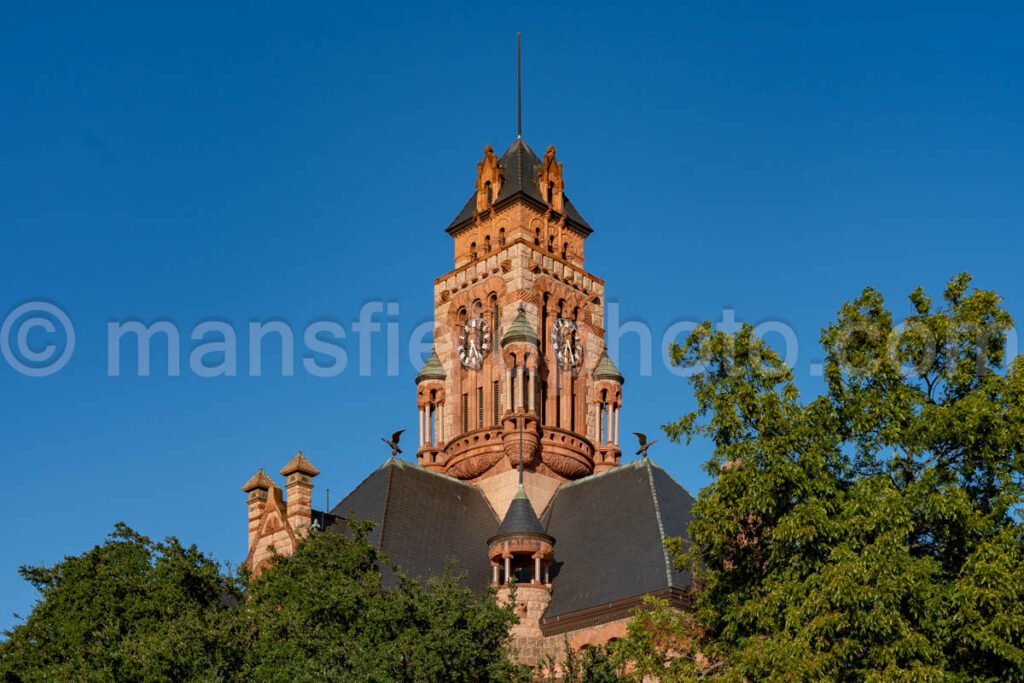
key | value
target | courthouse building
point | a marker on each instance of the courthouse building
(518, 474)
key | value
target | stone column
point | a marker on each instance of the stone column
(608, 423)
(521, 387)
(532, 391)
(536, 570)
(616, 430)
(512, 389)
(508, 569)
(432, 424)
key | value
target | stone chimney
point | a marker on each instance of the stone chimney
(257, 487)
(299, 489)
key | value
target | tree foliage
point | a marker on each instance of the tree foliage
(135, 610)
(872, 533)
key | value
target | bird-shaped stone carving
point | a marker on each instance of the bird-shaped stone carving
(644, 444)
(395, 450)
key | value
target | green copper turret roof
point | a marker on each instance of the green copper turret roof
(520, 331)
(432, 369)
(606, 369)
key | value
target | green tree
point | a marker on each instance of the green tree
(130, 609)
(328, 612)
(135, 610)
(872, 533)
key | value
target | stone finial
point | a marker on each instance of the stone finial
(260, 480)
(299, 464)
(550, 179)
(488, 179)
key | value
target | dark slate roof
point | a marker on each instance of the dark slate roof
(521, 169)
(520, 517)
(424, 520)
(611, 529)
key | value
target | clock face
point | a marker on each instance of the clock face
(568, 345)
(474, 342)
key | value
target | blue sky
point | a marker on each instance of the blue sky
(251, 161)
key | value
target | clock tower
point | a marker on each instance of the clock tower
(519, 370)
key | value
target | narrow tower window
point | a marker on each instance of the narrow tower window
(497, 400)
(501, 238)
(465, 413)
(495, 321)
(487, 244)
(490, 193)
(479, 406)
(551, 191)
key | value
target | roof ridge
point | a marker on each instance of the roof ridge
(670, 477)
(384, 509)
(424, 470)
(661, 524)
(591, 477)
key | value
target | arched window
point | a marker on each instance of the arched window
(490, 192)
(551, 191)
(551, 243)
(487, 244)
(472, 250)
(536, 237)
(501, 238)
(565, 250)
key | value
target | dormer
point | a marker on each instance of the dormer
(488, 180)
(550, 181)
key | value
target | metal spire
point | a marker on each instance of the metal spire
(519, 85)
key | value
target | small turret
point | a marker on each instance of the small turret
(608, 400)
(521, 550)
(430, 397)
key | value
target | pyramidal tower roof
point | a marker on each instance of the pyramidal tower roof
(521, 172)
(300, 463)
(260, 480)
(520, 518)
